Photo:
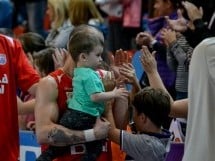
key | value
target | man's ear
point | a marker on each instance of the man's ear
(143, 117)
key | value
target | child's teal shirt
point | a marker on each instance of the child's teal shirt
(86, 81)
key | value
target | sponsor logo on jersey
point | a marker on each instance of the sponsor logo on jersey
(3, 59)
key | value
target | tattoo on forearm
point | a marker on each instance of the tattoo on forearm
(58, 136)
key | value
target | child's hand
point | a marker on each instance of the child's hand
(120, 92)
(109, 81)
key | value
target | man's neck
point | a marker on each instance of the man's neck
(151, 128)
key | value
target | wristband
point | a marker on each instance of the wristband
(89, 135)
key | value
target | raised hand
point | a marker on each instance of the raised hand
(121, 57)
(168, 36)
(144, 38)
(148, 60)
(193, 12)
(59, 57)
(128, 71)
(179, 24)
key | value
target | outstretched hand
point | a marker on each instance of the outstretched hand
(168, 36)
(193, 11)
(148, 60)
(128, 71)
(121, 57)
(59, 57)
(179, 24)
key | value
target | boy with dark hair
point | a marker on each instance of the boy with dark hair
(150, 108)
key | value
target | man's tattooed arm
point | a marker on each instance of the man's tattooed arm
(60, 137)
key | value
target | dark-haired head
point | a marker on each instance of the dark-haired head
(176, 3)
(166, 7)
(154, 103)
(84, 39)
(32, 42)
(43, 61)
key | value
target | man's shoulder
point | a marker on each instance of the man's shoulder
(48, 81)
(59, 75)
(6, 41)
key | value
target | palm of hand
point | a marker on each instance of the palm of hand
(179, 25)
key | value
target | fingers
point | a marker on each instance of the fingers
(145, 51)
(179, 13)
(167, 20)
(54, 56)
(193, 11)
(59, 57)
(146, 55)
(117, 58)
(201, 10)
(153, 53)
(148, 61)
(111, 58)
(121, 57)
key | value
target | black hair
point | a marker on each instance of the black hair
(176, 3)
(154, 103)
(32, 42)
(43, 59)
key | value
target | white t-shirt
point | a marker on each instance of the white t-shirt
(199, 141)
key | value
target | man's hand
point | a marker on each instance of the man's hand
(148, 61)
(193, 12)
(121, 57)
(59, 57)
(101, 128)
(180, 24)
(128, 71)
(144, 38)
(168, 36)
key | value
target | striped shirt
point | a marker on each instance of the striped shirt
(178, 56)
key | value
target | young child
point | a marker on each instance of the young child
(150, 108)
(89, 96)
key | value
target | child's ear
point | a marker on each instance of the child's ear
(83, 57)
